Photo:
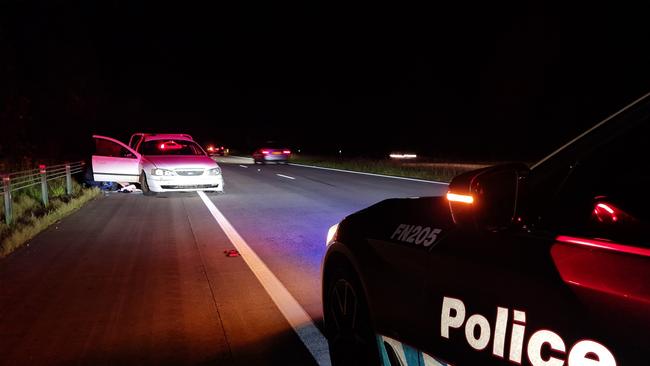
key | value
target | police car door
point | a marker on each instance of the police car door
(601, 227)
(571, 288)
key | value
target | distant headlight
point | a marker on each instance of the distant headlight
(214, 171)
(160, 172)
(331, 234)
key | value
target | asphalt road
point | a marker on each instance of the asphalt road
(137, 280)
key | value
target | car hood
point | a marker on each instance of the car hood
(178, 161)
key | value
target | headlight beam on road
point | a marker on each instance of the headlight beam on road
(297, 317)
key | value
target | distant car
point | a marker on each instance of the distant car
(514, 266)
(271, 153)
(214, 150)
(159, 163)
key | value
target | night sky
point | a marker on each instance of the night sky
(459, 81)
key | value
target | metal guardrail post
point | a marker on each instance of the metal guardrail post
(43, 171)
(9, 214)
(68, 180)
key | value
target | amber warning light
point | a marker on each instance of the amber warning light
(453, 197)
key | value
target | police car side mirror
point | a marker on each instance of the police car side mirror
(487, 198)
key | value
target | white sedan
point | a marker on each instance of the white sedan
(159, 163)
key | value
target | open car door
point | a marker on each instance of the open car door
(113, 161)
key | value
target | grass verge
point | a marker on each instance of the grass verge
(30, 217)
(428, 170)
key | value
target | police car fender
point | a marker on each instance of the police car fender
(583, 353)
(416, 234)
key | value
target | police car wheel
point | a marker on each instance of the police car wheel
(350, 335)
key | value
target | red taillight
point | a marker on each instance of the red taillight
(286, 152)
(162, 146)
(265, 152)
(210, 148)
(222, 148)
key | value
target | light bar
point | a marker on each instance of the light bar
(453, 197)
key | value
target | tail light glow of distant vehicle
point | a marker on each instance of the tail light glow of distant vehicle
(265, 152)
(463, 198)
(286, 152)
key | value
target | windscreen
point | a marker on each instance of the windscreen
(171, 147)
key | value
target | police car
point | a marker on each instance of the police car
(542, 266)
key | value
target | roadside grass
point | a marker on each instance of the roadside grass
(428, 170)
(30, 217)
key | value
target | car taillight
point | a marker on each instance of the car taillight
(265, 152)
(287, 152)
(210, 148)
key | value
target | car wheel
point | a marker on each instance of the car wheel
(145, 186)
(351, 338)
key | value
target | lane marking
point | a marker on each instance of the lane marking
(285, 176)
(297, 317)
(243, 166)
(371, 174)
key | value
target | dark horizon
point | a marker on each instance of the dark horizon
(503, 82)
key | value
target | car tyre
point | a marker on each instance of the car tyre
(350, 335)
(145, 186)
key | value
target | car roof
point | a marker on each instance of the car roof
(166, 136)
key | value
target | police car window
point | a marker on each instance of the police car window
(605, 196)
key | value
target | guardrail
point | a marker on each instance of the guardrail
(12, 182)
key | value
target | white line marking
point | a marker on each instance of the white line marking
(243, 166)
(285, 176)
(372, 174)
(296, 316)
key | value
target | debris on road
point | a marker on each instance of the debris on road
(231, 253)
(128, 189)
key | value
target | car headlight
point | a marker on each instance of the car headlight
(214, 171)
(331, 234)
(160, 172)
